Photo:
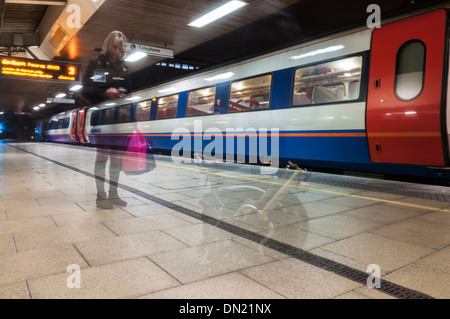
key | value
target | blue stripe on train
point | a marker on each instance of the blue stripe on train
(341, 153)
(341, 149)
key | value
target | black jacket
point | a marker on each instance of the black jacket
(101, 75)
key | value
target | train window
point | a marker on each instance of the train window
(63, 123)
(167, 107)
(95, 118)
(143, 110)
(201, 102)
(109, 115)
(53, 124)
(250, 94)
(328, 82)
(124, 113)
(410, 68)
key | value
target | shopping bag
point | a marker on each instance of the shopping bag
(134, 159)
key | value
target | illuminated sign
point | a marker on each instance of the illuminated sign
(150, 50)
(37, 69)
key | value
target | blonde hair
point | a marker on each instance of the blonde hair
(110, 39)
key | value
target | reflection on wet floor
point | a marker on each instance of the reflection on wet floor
(197, 225)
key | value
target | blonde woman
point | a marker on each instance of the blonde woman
(107, 75)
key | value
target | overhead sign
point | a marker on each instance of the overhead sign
(150, 50)
(57, 100)
(39, 70)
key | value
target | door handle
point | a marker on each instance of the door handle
(377, 83)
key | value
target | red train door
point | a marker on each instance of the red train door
(73, 132)
(406, 89)
(80, 129)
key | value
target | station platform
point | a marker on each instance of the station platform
(215, 230)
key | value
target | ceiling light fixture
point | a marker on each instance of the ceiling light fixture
(218, 13)
(76, 87)
(135, 56)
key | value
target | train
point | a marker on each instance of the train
(371, 100)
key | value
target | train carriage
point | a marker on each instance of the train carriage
(372, 100)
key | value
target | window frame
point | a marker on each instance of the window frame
(149, 112)
(199, 89)
(176, 109)
(113, 109)
(248, 78)
(95, 118)
(423, 71)
(129, 113)
(362, 79)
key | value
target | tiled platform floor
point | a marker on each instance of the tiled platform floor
(150, 249)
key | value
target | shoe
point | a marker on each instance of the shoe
(114, 199)
(103, 202)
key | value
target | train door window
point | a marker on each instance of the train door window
(167, 107)
(334, 81)
(410, 69)
(143, 110)
(201, 102)
(109, 115)
(124, 113)
(250, 94)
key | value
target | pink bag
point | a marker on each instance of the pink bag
(134, 160)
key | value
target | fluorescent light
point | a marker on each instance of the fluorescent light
(76, 87)
(218, 13)
(60, 95)
(320, 51)
(36, 108)
(220, 76)
(348, 65)
(135, 56)
(42, 105)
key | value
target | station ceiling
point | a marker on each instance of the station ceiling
(258, 27)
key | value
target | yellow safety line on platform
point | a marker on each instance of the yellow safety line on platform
(446, 210)
(437, 209)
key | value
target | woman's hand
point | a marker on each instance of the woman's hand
(113, 93)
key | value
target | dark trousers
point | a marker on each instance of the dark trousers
(115, 166)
